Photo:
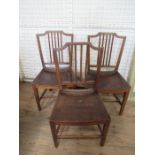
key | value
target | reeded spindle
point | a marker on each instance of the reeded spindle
(49, 47)
(102, 40)
(105, 51)
(75, 62)
(107, 56)
(81, 49)
(111, 49)
(107, 41)
(99, 43)
(61, 47)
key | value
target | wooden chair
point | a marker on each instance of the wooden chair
(78, 74)
(83, 110)
(47, 79)
(110, 81)
(78, 102)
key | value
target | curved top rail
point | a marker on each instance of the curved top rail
(55, 31)
(78, 43)
(100, 33)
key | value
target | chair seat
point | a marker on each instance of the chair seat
(46, 78)
(75, 110)
(112, 83)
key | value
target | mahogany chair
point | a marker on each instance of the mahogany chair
(78, 102)
(47, 79)
(78, 74)
(110, 81)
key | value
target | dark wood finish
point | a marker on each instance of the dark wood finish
(55, 40)
(81, 75)
(36, 94)
(53, 130)
(114, 84)
(110, 82)
(70, 76)
(106, 40)
(78, 102)
(104, 132)
(47, 78)
(76, 111)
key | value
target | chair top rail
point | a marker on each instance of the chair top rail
(55, 31)
(78, 43)
(100, 33)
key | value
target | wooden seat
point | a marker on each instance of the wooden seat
(46, 80)
(112, 83)
(110, 80)
(79, 110)
(47, 77)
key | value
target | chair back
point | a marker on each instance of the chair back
(47, 42)
(113, 48)
(78, 74)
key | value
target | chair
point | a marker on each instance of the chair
(47, 79)
(78, 74)
(78, 102)
(110, 81)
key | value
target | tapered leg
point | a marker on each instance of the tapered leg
(104, 132)
(54, 133)
(36, 94)
(125, 97)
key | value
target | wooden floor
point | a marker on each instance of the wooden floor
(36, 138)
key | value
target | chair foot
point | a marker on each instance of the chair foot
(36, 94)
(125, 97)
(104, 133)
(54, 134)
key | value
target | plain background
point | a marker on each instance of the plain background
(145, 77)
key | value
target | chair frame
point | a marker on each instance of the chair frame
(58, 85)
(103, 124)
(75, 44)
(46, 86)
(107, 47)
(124, 92)
(54, 41)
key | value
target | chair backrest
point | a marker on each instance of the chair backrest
(47, 42)
(78, 57)
(113, 48)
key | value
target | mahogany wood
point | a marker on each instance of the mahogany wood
(55, 40)
(47, 78)
(110, 82)
(82, 75)
(76, 111)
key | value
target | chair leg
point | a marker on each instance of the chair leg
(104, 132)
(54, 134)
(36, 94)
(125, 97)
